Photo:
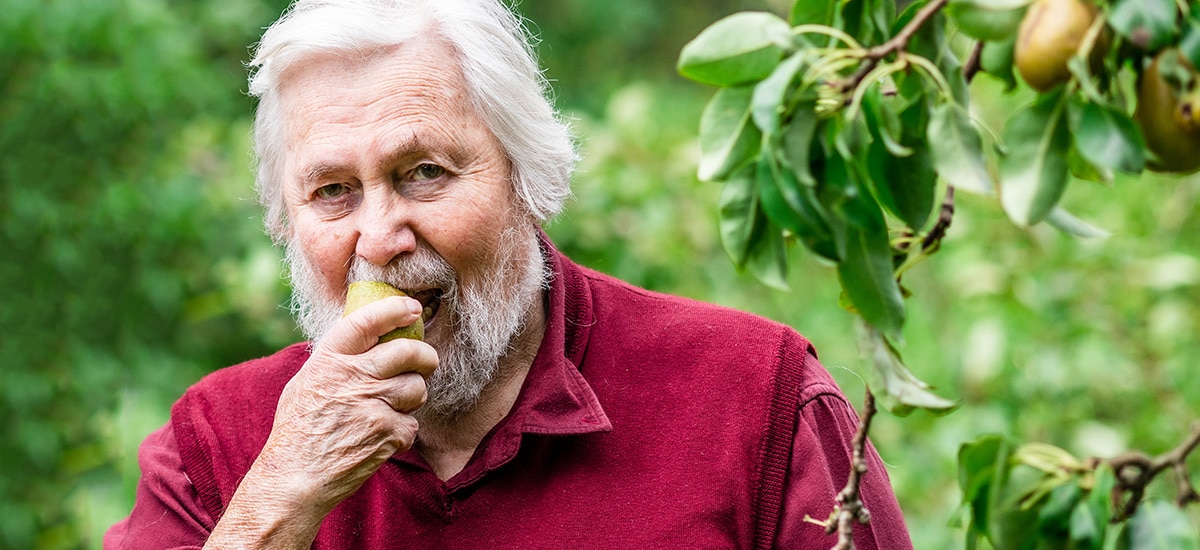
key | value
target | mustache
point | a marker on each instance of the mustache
(423, 269)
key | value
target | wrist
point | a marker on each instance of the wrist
(268, 513)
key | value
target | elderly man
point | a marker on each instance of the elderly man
(411, 142)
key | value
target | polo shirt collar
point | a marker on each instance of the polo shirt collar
(555, 399)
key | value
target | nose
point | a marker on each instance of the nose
(384, 228)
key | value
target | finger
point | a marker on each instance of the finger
(404, 393)
(359, 331)
(398, 357)
(403, 432)
(384, 433)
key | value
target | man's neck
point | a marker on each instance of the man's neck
(448, 446)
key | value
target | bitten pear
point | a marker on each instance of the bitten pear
(362, 293)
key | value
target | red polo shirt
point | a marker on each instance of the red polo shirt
(646, 421)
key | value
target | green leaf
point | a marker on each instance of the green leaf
(987, 19)
(836, 185)
(835, 190)
(908, 183)
(1055, 516)
(866, 269)
(979, 462)
(930, 42)
(798, 143)
(768, 260)
(728, 139)
(896, 388)
(882, 13)
(1148, 24)
(771, 197)
(850, 137)
(768, 102)
(813, 12)
(739, 211)
(996, 59)
(1011, 513)
(972, 536)
(1107, 137)
(905, 186)
(958, 150)
(912, 87)
(884, 123)
(1158, 525)
(1033, 175)
(1086, 531)
(910, 11)
(1083, 168)
(794, 207)
(1100, 497)
(867, 20)
(1098, 512)
(738, 49)
(1069, 224)
(947, 62)
(1082, 72)
(1189, 44)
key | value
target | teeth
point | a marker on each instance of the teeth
(427, 313)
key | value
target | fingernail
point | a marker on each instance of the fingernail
(415, 307)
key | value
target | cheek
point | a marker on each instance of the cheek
(329, 251)
(470, 234)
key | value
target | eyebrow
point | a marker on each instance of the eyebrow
(413, 145)
(404, 148)
(322, 171)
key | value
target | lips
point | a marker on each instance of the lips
(431, 301)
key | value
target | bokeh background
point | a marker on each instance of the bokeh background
(132, 261)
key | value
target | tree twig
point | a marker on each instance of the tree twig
(933, 239)
(850, 508)
(974, 62)
(896, 44)
(1135, 470)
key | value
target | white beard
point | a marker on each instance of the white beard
(480, 313)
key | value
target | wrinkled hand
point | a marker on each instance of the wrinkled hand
(339, 419)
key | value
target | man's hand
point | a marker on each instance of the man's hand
(338, 420)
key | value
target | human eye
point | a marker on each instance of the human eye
(426, 172)
(332, 191)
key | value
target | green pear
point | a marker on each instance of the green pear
(362, 293)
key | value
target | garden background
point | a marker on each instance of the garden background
(132, 260)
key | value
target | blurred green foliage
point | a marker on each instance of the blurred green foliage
(133, 259)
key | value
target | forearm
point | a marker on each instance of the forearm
(265, 515)
(337, 420)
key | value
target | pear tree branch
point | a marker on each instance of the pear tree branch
(1135, 470)
(850, 508)
(896, 44)
(933, 239)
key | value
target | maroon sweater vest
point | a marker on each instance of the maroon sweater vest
(647, 421)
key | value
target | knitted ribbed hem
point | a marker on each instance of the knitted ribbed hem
(197, 461)
(776, 453)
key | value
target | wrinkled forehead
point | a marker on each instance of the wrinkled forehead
(423, 60)
(421, 79)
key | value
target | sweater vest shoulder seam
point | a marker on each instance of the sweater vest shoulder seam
(776, 448)
(196, 449)
(196, 459)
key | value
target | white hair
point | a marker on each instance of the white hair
(496, 57)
